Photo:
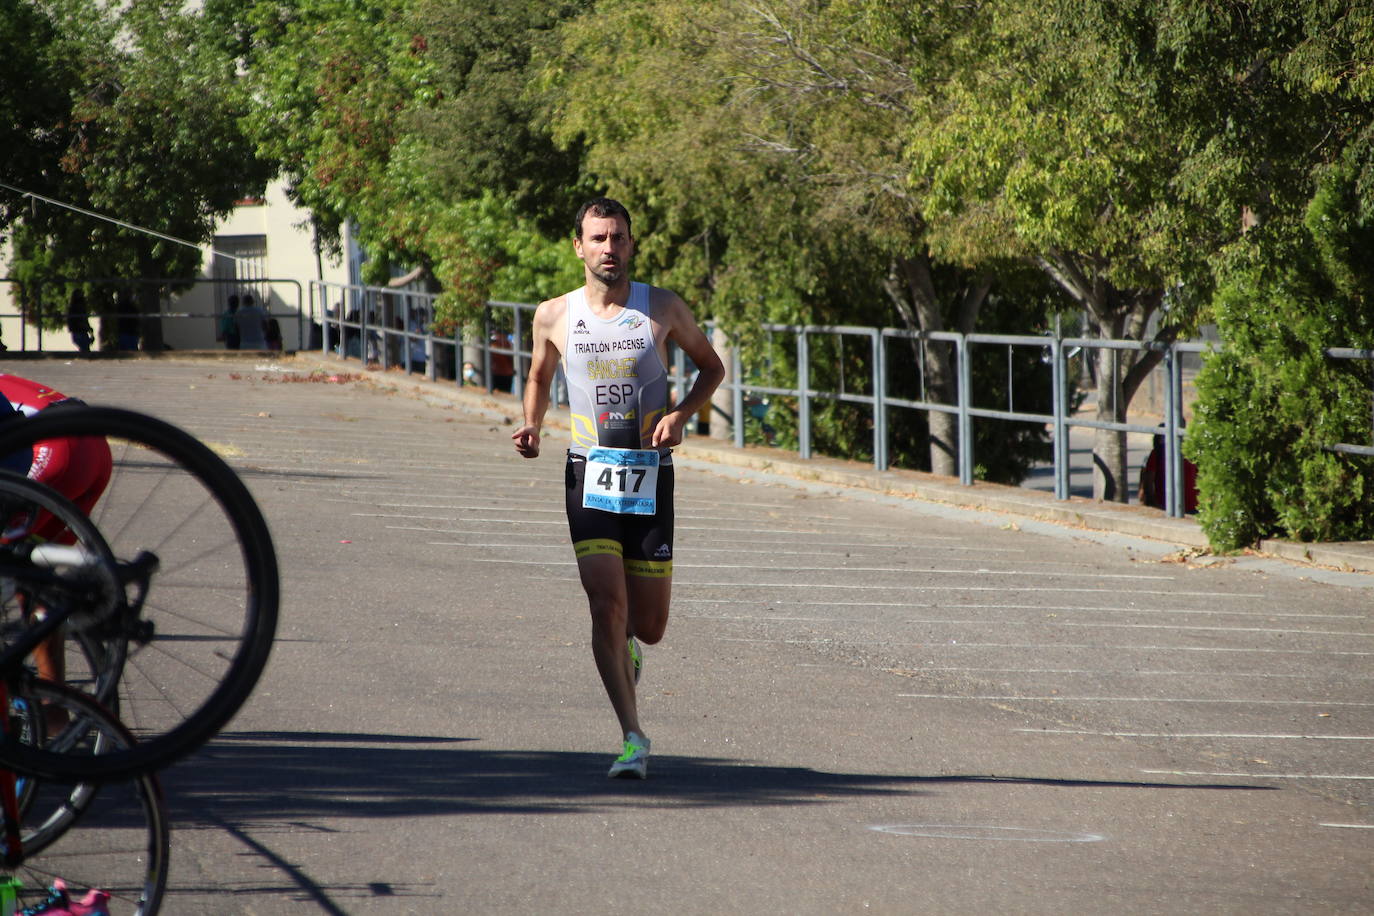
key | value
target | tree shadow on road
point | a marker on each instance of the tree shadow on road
(248, 784)
(292, 775)
(274, 776)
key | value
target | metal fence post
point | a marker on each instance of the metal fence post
(965, 384)
(736, 374)
(517, 386)
(1059, 375)
(879, 396)
(803, 387)
(1173, 440)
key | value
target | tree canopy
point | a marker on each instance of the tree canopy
(140, 124)
(1155, 164)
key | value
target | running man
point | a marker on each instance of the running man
(612, 337)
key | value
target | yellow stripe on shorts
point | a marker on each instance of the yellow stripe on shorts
(650, 569)
(595, 547)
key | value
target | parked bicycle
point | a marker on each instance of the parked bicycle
(164, 598)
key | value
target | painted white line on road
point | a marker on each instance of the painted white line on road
(782, 604)
(961, 588)
(1256, 775)
(986, 832)
(940, 621)
(1152, 648)
(942, 572)
(1152, 610)
(507, 522)
(720, 528)
(1201, 735)
(1068, 699)
(1030, 607)
(1118, 672)
(706, 508)
(1183, 627)
(886, 544)
(527, 545)
(468, 508)
(1349, 826)
(768, 617)
(553, 543)
(1044, 647)
(767, 551)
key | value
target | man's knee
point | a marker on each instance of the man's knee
(649, 598)
(607, 609)
(649, 614)
(651, 631)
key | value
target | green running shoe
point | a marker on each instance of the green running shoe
(636, 657)
(634, 762)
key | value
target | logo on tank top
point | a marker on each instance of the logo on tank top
(580, 327)
(631, 321)
(615, 420)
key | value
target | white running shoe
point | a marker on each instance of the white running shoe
(634, 762)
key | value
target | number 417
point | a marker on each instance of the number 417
(607, 480)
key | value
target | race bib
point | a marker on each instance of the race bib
(622, 480)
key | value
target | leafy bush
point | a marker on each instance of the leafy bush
(1271, 403)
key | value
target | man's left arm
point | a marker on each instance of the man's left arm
(683, 331)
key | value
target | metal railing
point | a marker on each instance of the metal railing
(357, 325)
(58, 309)
(394, 328)
(1360, 354)
(880, 398)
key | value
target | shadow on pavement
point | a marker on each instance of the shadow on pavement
(246, 782)
(258, 777)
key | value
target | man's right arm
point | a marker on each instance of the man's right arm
(543, 365)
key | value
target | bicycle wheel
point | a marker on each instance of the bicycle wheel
(198, 604)
(113, 838)
(76, 584)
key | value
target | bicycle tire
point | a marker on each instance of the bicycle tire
(178, 670)
(114, 836)
(64, 591)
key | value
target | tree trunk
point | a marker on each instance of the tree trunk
(1109, 445)
(1120, 314)
(911, 288)
(149, 300)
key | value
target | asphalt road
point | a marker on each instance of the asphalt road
(862, 704)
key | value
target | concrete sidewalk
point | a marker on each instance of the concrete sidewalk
(1077, 512)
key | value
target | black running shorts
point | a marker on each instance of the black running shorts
(645, 542)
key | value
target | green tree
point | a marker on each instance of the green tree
(482, 157)
(766, 140)
(410, 119)
(35, 104)
(152, 141)
(1059, 140)
(335, 81)
(1272, 403)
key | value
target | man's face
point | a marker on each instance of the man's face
(605, 247)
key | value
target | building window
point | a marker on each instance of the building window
(240, 266)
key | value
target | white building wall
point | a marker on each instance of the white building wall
(279, 278)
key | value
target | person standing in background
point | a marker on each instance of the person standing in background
(252, 325)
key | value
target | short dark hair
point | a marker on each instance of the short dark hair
(603, 207)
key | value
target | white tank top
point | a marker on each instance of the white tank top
(617, 384)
